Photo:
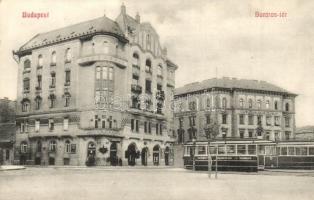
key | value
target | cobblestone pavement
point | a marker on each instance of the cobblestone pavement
(156, 184)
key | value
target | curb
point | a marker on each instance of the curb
(11, 167)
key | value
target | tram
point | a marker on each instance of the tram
(249, 155)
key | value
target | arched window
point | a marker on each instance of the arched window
(267, 104)
(148, 66)
(276, 105)
(224, 103)
(241, 103)
(148, 41)
(259, 104)
(159, 73)
(136, 59)
(250, 103)
(23, 147)
(287, 107)
(52, 146)
(67, 146)
(68, 55)
(25, 105)
(53, 58)
(27, 64)
(40, 60)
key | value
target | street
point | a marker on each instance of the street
(138, 184)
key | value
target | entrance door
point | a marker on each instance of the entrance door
(144, 156)
(131, 154)
(167, 152)
(113, 154)
(91, 153)
(37, 161)
(23, 159)
(51, 161)
(156, 155)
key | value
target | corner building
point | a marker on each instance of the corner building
(242, 109)
(95, 93)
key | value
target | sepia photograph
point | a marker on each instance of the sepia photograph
(153, 100)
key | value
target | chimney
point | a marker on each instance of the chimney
(123, 9)
(138, 18)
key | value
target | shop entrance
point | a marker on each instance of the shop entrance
(156, 154)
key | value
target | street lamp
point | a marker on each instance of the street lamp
(194, 147)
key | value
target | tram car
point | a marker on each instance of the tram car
(249, 155)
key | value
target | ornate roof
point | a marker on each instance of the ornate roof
(101, 25)
(230, 83)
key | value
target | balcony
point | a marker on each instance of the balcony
(136, 88)
(102, 57)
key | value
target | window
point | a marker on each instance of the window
(65, 124)
(207, 119)
(53, 80)
(208, 102)
(267, 104)
(39, 81)
(68, 55)
(231, 149)
(22, 127)
(148, 42)
(224, 103)
(201, 150)
(241, 133)
(67, 77)
(287, 107)
(53, 146)
(192, 120)
(159, 72)
(251, 119)
(148, 86)
(267, 136)
(25, 105)
(53, 58)
(106, 47)
(181, 122)
(276, 136)
(51, 124)
(39, 146)
(132, 125)
(252, 149)
(241, 103)
(23, 147)
(103, 122)
(145, 127)
(67, 146)
(40, 61)
(160, 129)
(137, 125)
(98, 71)
(148, 66)
(27, 64)
(311, 150)
(287, 121)
(110, 77)
(52, 99)
(259, 120)
(277, 121)
(301, 151)
(287, 135)
(37, 125)
(26, 84)
(284, 151)
(221, 149)
(67, 98)
(149, 127)
(136, 59)
(73, 148)
(224, 132)
(157, 129)
(224, 118)
(38, 101)
(276, 105)
(259, 104)
(192, 105)
(241, 121)
(268, 120)
(250, 103)
(96, 121)
(241, 149)
(251, 133)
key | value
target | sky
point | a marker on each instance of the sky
(205, 38)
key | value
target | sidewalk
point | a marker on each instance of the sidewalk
(11, 167)
(290, 170)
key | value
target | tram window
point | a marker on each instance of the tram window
(283, 151)
(291, 151)
(231, 149)
(311, 150)
(241, 149)
(252, 149)
(213, 150)
(301, 151)
(221, 149)
(201, 150)
(261, 149)
(187, 150)
(270, 150)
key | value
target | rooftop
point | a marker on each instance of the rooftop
(230, 83)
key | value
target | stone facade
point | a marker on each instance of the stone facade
(95, 93)
(238, 107)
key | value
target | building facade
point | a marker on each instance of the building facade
(305, 133)
(95, 93)
(237, 108)
(7, 130)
